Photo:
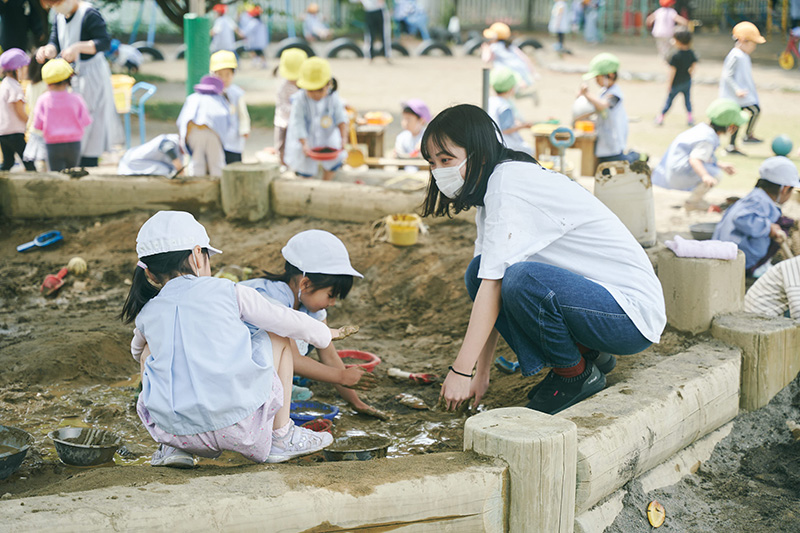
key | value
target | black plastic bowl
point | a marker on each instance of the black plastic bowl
(85, 446)
(357, 448)
(702, 231)
(19, 441)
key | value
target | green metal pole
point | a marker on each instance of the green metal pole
(196, 36)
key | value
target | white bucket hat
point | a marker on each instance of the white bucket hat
(319, 252)
(779, 170)
(172, 231)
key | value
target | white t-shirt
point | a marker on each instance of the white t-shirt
(533, 214)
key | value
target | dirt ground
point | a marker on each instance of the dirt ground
(66, 360)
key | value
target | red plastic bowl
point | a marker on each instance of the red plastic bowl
(319, 425)
(370, 359)
(324, 153)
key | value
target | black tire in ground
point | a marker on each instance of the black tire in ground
(294, 42)
(340, 45)
(472, 46)
(426, 47)
(523, 43)
(154, 53)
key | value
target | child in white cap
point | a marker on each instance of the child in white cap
(317, 271)
(317, 120)
(207, 384)
(415, 116)
(755, 223)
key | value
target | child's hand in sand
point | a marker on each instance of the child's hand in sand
(368, 410)
(343, 332)
(357, 379)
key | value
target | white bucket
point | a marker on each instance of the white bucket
(629, 195)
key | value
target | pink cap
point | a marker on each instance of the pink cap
(419, 108)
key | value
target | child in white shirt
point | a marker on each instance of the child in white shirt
(415, 116)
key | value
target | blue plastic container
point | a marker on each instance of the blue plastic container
(302, 412)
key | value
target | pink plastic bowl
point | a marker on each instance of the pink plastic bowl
(370, 359)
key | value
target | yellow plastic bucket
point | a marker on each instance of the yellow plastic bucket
(122, 85)
(403, 229)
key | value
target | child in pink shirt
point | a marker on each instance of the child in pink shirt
(61, 116)
(13, 118)
(663, 21)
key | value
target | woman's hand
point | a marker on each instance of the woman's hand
(46, 52)
(70, 54)
(479, 386)
(357, 378)
(456, 389)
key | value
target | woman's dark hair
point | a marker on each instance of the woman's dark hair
(35, 70)
(164, 267)
(773, 189)
(340, 284)
(472, 129)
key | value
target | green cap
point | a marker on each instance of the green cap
(601, 65)
(725, 112)
(502, 79)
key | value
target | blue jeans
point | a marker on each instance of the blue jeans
(684, 88)
(546, 310)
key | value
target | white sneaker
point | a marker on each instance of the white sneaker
(172, 457)
(298, 441)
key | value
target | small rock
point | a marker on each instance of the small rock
(6, 496)
(412, 329)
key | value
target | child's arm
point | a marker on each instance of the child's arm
(600, 104)
(283, 321)
(756, 225)
(700, 169)
(244, 117)
(352, 378)
(138, 344)
(343, 132)
(19, 109)
(681, 20)
(671, 75)
(728, 68)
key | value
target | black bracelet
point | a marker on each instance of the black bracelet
(459, 373)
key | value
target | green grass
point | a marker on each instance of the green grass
(149, 78)
(261, 115)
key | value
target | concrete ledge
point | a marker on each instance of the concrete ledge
(697, 290)
(52, 195)
(633, 426)
(467, 498)
(770, 353)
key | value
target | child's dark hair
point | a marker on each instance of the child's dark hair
(64, 83)
(684, 37)
(163, 266)
(35, 70)
(719, 129)
(410, 111)
(340, 284)
(469, 127)
(334, 86)
(772, 189)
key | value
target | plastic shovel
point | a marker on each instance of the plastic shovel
(52, 282)
(44, 239)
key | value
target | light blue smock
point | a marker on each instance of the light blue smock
(224, 35)
(255, 32)
(674, 170)
(747, 223)
(232, 141)
(507, 56)
(505, 114)
(612, 125)
(205, 372)
(209, 110)
(737, 73)
(318, 123)
(151, 158)
(280, 293)
(560, 22)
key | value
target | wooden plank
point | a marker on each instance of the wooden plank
(380, 162)
(635, 425)
(465, 494)
(769, 353)
(50, 195)
(540, 451)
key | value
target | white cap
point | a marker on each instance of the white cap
(779, 170)
(172, 231)
(319, 252)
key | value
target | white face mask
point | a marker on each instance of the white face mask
(449, 180)
(65, 8)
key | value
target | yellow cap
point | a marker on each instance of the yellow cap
(315, 73)
(498, 30)
(747, 31)
(289, 66)
(313, 7)
(222, 60)
(55, 71)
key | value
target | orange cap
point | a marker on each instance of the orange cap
(220, 9)
(667, 3)
(747, 31)
(498, 30)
